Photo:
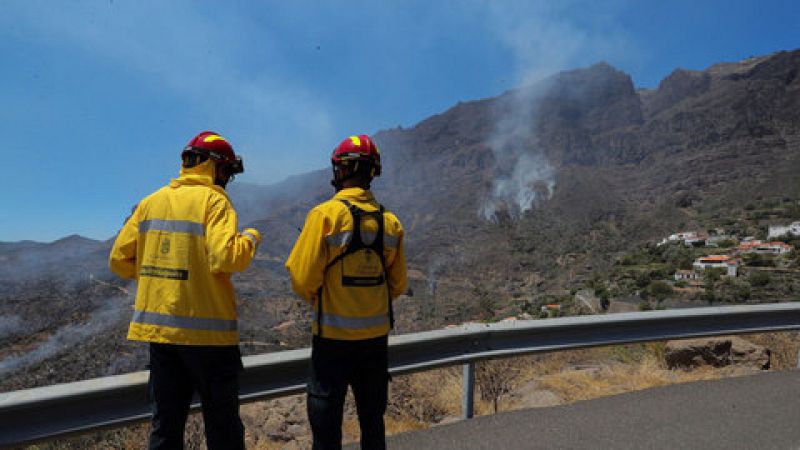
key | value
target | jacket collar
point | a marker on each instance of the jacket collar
(355, 193)
(201, 174)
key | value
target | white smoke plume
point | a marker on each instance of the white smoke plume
(107, 315)
(515, 193)
(544, 37)
(524, 175)
(10, 325)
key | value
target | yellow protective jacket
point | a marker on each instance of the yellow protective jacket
(181, 244)
(348, 312)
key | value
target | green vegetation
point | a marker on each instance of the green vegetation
(659, 290)
(756, 260)
(647, 271)
(759, 279)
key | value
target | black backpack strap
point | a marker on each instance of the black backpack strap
(355, 213)
(357, 243)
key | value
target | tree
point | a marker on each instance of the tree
(486, 301)
(495, 379)
(642, 279)
(659, 290)
(713, 274)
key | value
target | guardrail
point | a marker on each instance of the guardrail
(51, 411)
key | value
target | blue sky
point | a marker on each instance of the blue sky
(99, 97)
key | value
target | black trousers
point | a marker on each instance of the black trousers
(176, 372)
(335, 364)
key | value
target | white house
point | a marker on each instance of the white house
(686, 275)
(765, 248)
(689, 238)
(695, 240)
(780, 230)
(730, 265)
(774, 248)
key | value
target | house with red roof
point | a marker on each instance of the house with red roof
(725, 262)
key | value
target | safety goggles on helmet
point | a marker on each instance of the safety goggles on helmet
(233, 165)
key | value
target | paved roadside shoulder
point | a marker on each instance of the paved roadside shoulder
(753, 412)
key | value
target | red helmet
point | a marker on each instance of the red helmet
(356, 149)
(211, 144)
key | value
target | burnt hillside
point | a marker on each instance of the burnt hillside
(505, 200)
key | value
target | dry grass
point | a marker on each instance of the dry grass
(616, 378)
(784, 348)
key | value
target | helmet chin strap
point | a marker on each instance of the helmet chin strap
(336, 182)
(219, 178)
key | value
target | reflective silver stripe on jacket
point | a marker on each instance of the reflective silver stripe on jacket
(191, 323)
(340, 239)
(252, 238)
(353, 323)
(174, 226)
(343, 238)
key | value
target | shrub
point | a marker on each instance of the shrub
(710, 295)
(679, 256)
(659, 290)
(758, 260)
(759, 279)
(713, 274)
(727, 243)
(642, 279)
(734, 290)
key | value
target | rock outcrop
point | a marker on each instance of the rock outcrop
(716, 352)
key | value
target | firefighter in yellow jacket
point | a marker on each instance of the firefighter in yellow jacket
(181, 244)
(349, 264)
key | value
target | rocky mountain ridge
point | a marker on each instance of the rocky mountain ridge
(506, 201)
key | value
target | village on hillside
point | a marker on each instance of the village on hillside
(711, 266)
(730, 260)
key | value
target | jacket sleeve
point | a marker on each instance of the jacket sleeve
(122, 259)
(228, 250)
(397, 271)
(306, 263)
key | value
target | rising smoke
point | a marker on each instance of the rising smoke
(10, 325)
(544, 38)
(108, 314)
(524, 175)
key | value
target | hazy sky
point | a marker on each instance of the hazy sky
(99, 97)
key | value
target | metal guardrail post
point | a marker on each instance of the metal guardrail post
(468, 391)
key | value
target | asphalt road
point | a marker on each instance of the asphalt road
(753, 412)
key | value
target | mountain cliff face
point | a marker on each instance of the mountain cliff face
(504, 200)
(628, 160)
